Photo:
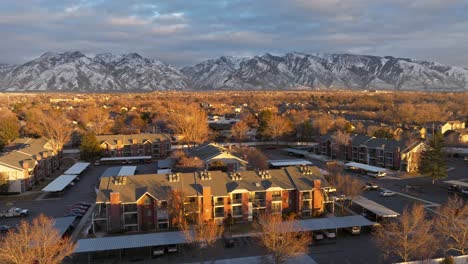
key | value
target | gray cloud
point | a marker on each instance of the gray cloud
(185, 32)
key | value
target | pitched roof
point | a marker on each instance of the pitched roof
(304, 182)
(387, 144)
(128, 139)
(358, 139)
(23, 150)
(221, 183)
(208, 151)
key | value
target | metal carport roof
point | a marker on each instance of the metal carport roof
(374, 207)
(77, 168)
(132, 241)
(127, 170)
(333, 223)
(365, 167)
(464, 184)
(126, 158)
(63, 223)
(289, 162)
(59, 183)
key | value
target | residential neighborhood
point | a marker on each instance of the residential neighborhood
(136, 185)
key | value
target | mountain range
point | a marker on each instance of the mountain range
(76, 72)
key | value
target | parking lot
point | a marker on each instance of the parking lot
(57, 205)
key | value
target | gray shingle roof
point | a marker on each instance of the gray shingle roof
(23, 150)
(128, 139)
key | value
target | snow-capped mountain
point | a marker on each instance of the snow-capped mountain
(74, 71)
(327, 71)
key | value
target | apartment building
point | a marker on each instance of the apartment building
(25, 162)
(140, 202)
(386, 153)
(155, 145)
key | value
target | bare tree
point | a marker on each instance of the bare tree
(36, 242)
(239, 131)
(176, 207)
(451, 225)
(282, 239)
(190, 122)
(278, 126)
(54, 127)
(340, 141)
(257, 159)
(409, 238)
(348, 186)
(96, 119)
(202, 234)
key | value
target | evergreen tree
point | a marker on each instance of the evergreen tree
(263, 118)
(433, 159)
(9, 129)
(89, 148)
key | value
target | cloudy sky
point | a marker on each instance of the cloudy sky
(184, 32)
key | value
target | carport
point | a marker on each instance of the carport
(59, 183)
(63, 224)
(288, 162)
(121, 243)
(126, 159)
(77, 168)
(333, 223)
(379, 210)
(459, 183)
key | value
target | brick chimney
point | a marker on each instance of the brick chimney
(115, 212)
(207, 206)
(317, 196)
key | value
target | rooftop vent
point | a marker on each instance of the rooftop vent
(257, 184)
(205, 175)
(173, 177)
(306, 170)
(119, 180)
(235, 176)
(264, 174)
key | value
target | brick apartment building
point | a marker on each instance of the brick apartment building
(140, 202)
(25, 162)
(386, 153)
(155, 145)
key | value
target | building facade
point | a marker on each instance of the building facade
(143, 203)
(25, 162)
(386, 153)
(155, 145)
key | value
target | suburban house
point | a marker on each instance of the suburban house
(381, 152)
(155, 145)
(452, 125)
(25, 162)
(140, 202)
(211, 153)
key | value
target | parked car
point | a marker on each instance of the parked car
(318, 235)
(14, 212)
(158, 251)
(454, 188)
(5, 228)
(387, 193)
(97, 163)
(355, 230)
(228, 240)
(172, 248)
(329, 233)
(377, 174)
(371, 186)
(465, 192)
(340, 197)
(77, 206)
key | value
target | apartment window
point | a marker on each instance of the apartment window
(276, 207)
(237, 198)
(163, 204)
(237, 210)
(219, 212)
(131, 207)
(130, 219)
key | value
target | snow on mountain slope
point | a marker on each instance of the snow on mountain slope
(74, 71)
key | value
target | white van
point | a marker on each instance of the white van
(355, 230)
(377, 174)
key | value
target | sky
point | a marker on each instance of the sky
(185, 32)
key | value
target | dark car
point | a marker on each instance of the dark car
(228, 240)
(454, 188)
(5, 228)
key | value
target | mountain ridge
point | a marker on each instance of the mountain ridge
(107, 72)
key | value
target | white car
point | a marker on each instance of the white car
(387, 193)
(465, 192)
(318, 235)
(329, 233)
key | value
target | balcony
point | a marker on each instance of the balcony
(236, 201)
(259, 203)
(219, 203)
(276, 198)
(163, 214)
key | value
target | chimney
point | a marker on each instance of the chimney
(207, 204)
(25, 164)
(317, 196)
(134, 141)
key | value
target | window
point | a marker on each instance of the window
(237, 210)
(163, 204)
(237, 198)
(219, 212)
(131, 207)
(130, 219)
(276, 207)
